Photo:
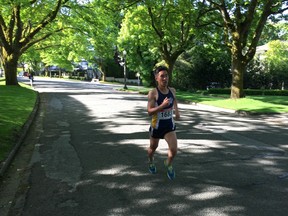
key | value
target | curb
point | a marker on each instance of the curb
(22, 134)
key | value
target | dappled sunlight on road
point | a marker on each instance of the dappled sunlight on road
(211, 193)
(117, 170)
(215, 158)
(226, 164)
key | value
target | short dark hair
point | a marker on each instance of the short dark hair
(160, 68)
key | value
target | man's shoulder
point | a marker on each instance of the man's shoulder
(152, 93)
(172, 89)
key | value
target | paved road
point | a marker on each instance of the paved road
(88, 157)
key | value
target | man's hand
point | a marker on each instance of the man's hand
(177, 116)
(165, 102)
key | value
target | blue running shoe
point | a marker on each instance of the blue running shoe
(170, 171)
(152, 168)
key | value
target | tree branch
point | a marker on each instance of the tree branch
(246, 24)
(11, 27)
(266, 12)
(120, 7)
(19, 25)
(225, 15)
(50, 17)
(3, 29)
(28, 45)
(158, 32)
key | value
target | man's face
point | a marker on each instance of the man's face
(162, 78)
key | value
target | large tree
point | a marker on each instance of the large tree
(23, 24)
(244, 21)
(163, 28)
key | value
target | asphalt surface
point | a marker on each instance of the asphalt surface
(85, 154)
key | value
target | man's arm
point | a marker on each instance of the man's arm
(177, 113)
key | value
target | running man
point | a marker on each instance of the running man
(161, 104)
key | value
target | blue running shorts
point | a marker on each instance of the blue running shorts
(160, 132)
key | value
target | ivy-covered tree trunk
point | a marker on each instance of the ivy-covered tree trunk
(9, 63)
(238, 69)
(170, 62)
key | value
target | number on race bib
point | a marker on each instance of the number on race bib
(166, 114)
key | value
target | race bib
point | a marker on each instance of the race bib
(165, 114)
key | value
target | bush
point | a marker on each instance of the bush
(219, 91)
(266, 92)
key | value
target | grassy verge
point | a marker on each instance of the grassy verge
(17, 102)
(267, 104)
(253, 104)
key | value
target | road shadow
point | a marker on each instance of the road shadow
(222, 168)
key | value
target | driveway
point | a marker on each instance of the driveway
(87, 156)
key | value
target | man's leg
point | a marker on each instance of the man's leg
(171, 139)
(152, 148)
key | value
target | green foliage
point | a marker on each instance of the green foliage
(277, 55)
(155, 30)
(219, 91)
(274, 31)
(150, 31)
(243, 22)
(83, 29)
(203, 64)
(276, 62)
(269, 70)
(112, 69)
(23, 24)
(137, 37)
(257, 77)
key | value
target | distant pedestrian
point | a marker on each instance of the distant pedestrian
(31, 78)
(161, 104)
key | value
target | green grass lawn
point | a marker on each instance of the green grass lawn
(253, 104)
(16, 104)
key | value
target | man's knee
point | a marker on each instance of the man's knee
(153, 146)
(153, 143)
(173, 150)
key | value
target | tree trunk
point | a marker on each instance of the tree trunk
(10, 68)
(238, 69)
(102, 70)
(170, 64)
